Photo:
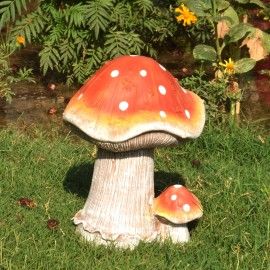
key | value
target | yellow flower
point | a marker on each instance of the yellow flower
(186, 15)
(229, 66)
(20, 40)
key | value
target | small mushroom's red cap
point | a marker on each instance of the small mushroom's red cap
(178, 205)
(131, 95)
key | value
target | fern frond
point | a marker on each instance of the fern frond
(30, 26)
(74, 15)
(56, 34)
(54, 15)
(82, 40)
(70, 79)
(94, 59)
(135, 43)
(67, 52)
(5, 91)
(150, 50)
(6, 49)
(151, 24)
(122, 14)
(144, 6)
(117, 43)
(98, 15)
(121, 43)
(9, 10)
(83, 69)
(49, 58)
(79, 72)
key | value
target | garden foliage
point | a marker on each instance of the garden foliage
(212, 92)
(226, 43)
(78, 36)
(228, 34)
(9, 11)
(8, 75)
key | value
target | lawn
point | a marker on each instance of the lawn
(228, 169)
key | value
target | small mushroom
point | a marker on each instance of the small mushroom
(174, 207)
(127, 108)
(177, 205)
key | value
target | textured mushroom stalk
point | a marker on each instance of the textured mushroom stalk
(118, 208)
(177, 233)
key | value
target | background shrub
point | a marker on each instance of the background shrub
(79, 36)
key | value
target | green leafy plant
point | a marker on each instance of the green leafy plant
(77, 38)
(211, 91)
(7, 75)
(9, 12)
(231, 46)
(229, 35)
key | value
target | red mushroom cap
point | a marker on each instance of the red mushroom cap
(132, 95)
(178, 205)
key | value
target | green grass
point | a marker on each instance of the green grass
(232, 181)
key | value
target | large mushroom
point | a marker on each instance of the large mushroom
(128, 107)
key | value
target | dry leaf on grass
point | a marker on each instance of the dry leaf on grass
(26, 202)
(53, 224)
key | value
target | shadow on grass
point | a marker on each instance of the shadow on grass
(165, 179)
(78, 179)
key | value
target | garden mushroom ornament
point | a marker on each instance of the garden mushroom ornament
(176, 206)
(127, 108)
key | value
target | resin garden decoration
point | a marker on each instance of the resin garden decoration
(127, 108)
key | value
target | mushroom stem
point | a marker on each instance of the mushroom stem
(118, 207)
(178, 233)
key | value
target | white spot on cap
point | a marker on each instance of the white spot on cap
(80, 96)
(187, 113)
(115, 73)
(186, 207)
(173, 197)
(162, 114)
(162, 67)
(177, 186)
(162, 90)
(123, 105)
(133, 55)
(143, 73)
